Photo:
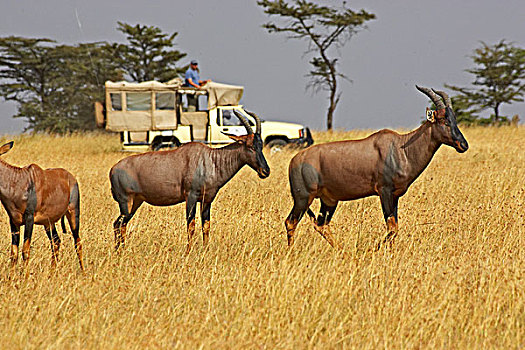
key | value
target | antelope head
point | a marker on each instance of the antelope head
(443, 120)
(253, 145)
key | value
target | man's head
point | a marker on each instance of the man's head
(194, 64)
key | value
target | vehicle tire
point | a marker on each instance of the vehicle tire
(276, 145)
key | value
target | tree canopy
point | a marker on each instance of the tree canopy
(326, 29)
(499, 78)
(148, 54)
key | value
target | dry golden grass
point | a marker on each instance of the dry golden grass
(455, 277)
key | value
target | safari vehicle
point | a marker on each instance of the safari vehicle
(154, 115)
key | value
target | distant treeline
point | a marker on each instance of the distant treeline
(55, 85)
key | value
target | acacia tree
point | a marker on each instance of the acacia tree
(326, 29)
(499, 78)
(149, 53)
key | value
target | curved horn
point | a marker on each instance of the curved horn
(437, 101)
(445, 97)
(246, 124)
(257, 122)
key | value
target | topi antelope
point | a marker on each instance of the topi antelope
(191, 173)
(31, 195)
(383, 164)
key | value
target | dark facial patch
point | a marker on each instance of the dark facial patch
(459, 141)
(263, 170)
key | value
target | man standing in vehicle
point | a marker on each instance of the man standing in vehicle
(192, 79)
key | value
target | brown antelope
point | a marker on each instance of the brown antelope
(383, 164)
(191, 173)
(31, 195)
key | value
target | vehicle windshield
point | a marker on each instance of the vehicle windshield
(230, 117)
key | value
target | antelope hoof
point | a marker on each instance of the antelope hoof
(119, 245)
(290, 241)
(389, 238)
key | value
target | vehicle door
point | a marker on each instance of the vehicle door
(228, 122)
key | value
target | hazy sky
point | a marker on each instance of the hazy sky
(410, 42)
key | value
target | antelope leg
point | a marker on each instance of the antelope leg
(119, 228)
(205, 218)
(191, 206)
(301, 204)
(52, 234)
(28, 232)
(73, 219)
(15, 241)
(321, 224)
(389, 204)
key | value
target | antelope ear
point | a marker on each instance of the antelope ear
(431, 115)
(5, 148)
(239, 138)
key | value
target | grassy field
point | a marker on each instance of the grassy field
(455, 277)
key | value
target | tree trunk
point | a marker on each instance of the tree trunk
(333, 98)
(496, 114)
(330, 115)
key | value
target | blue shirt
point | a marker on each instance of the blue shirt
(193, 74)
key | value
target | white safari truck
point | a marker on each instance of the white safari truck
(154, 115)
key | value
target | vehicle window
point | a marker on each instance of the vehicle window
(202, 103)
(229, 118)
(116, 101)
(138, 101)
(189, 102)
(165, 101)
